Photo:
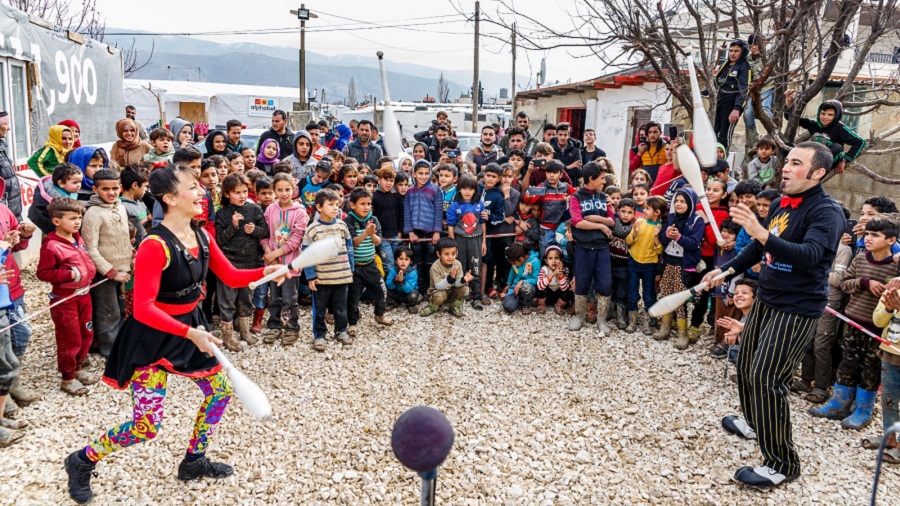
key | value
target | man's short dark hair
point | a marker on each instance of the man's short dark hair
(882, 204)
(365, 122)
(127, 107)
(312, 125)
(186, 155)
(323, 123)
(562, 127)
(748, 187)
(232, 123)
(522, 114)
(548, 127)
(515, 131)
(485, 127)
(442, 127)
(822, 157)
(652, 124)
(279, 112)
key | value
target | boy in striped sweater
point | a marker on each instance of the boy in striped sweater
(859, 374)
(330, 281)
(365, 229)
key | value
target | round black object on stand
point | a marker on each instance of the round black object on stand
(421, 439)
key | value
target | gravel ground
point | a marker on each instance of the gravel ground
(541, 417)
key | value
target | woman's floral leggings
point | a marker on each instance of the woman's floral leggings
(148, 391)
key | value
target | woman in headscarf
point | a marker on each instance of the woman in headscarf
(183, 132)
(76, 131)
(268, 156)
(343, 137)
(129, 148)
(216, 144)
(60, 140)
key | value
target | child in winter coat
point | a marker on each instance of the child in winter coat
(366, 233)
(466, 218)
(402, 280)
(287, 222)
(643, 255)
(717, 195)
(423, 217)
(523, 279)
(680, 238)
(240, 226)
(65, 264)
(163, 149)
(618, 258)
(887, 315)
(553, 285)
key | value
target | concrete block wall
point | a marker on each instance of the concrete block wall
(852, 188)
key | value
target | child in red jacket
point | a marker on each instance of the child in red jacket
(65, 264)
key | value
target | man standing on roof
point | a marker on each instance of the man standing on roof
(732, 81)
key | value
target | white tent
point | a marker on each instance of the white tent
(212, 103)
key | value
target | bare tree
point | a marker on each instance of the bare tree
(443, 91)
(351, 93)
(84, 18)
(804, 43)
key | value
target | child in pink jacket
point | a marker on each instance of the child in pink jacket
(287, 222)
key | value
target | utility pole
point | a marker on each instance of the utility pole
(303, 15)
(475, 81)
(512, 91)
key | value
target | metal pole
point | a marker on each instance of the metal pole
(429, 486)
(475, 80)
(303, 62)
(512, 91)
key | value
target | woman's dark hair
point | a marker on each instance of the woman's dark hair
(164, 181)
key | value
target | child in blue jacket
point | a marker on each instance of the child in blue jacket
(523, 278)
(403, 280)
(423, 219)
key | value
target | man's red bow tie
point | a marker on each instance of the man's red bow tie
(794, 202)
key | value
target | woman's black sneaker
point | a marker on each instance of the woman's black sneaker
(203, 467)
(79, 473)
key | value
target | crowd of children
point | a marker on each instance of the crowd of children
(526, 234)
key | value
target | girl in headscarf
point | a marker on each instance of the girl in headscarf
(183, 132)
(681, 237)
(76, 131)
(60, 140)
(129, 148)
(343, 137)
(269, 154)
(216, 144)
(404, 163)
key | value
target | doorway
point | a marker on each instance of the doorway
(195, 112)
(575, 117)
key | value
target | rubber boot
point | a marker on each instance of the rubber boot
(837, 407)
(541, 306)
(646, 327)
(22, 395)
(862, 416)
(227, 329)
(244, 330)
(561, 307)
(683, 339)
(256, 328)
(632, 323)
(621, 316)
(591, 313)
(664, 328)
(602, 306)
(577, 319)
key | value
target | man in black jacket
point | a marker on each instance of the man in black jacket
(568, 152)
(732, 80)
(280, 133)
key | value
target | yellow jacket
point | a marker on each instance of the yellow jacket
(642, 246)
(890, 321)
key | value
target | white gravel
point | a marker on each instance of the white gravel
(542, 416)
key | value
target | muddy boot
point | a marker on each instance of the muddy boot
(561, 307)
(602, 307)
(862, 415)
(646, 326)
(22, 395)
(227, 329)
(577, 319)
(621, 317)
(683, 340)
(541, 306)
(256, 328)
(839, 406)
(664, 328)
(632, 323)
(290, 335)
(244, 329)
(591, 313)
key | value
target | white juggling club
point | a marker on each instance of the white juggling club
(704, 135)
(390, 129)
(672, 302)
(251, 396)
(690, 168)
(314, 254)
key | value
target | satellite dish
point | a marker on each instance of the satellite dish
(542, 75)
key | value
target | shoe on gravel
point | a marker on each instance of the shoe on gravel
(201, 468)
(79, 473)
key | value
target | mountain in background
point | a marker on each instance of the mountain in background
(182, 58)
